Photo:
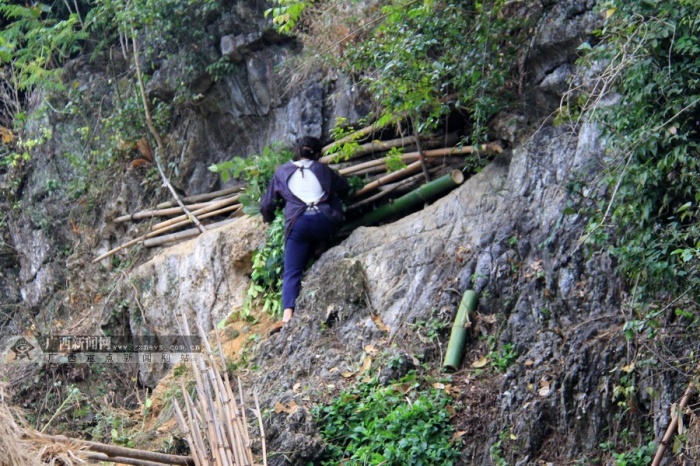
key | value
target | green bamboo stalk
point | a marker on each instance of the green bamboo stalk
(407, 201)
(458, 337)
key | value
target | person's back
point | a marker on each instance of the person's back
(310, 193)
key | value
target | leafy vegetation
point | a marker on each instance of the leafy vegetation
(654, 140)
(268, 261)
(649, 219)
(256, 171)
(35, 43)
(424, 60)
(266, 277)
(398, 424)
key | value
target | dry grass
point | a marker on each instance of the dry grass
(20, 447)
(691, 450)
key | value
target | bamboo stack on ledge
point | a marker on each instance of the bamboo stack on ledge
(202, 206)
(427, 159)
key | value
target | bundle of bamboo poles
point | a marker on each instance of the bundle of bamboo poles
(224, 202)
(425, 158)
(214, 424)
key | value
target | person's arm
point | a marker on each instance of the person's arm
(269, 202)
(339, 184)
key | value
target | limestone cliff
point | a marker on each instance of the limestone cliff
(508, 233)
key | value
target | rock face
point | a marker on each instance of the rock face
(508, 233)
(204, 279)
(236, 114)
(504, 234)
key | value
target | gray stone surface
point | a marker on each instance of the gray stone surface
(204, 279)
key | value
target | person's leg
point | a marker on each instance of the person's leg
(307, 230)
(296, 249)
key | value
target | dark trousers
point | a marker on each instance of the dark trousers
(307, 231)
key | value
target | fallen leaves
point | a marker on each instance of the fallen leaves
(7, 135)
(289, 408)
(481, 362)
(380, 324)
(366, 365)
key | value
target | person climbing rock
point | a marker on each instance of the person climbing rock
(310, 193)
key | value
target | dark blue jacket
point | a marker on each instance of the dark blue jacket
(334, 186)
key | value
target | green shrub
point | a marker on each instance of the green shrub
(256, 171)
(392, 425)
(268, 261)
(266, 277)
(653, 139)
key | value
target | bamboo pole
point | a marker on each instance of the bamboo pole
(184, 234)
(219, 391)
(391, 177)
(173, 226)
(374, 146)
(234, 405)
(121, 460)
(203, 210)
(494, 148)
(115, 450)
(195, 424)
(119, 248)
(673, 426)
(149, 213)
(201, 197)
(243, 414)
(187, 430)
(205, 405)
(156, 135)
(458, 337)
(258, 414)
(421, 154)
(149, 242)
(389, 188)
(415, 197)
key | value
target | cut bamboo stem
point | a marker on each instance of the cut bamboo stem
(374, 146)
(235, 408)
(389, 188)
(148, 240)
(187, 429)
(121, 460)
(119, 248)
(673, 426)
(201, 197)
(458, 336)
(390, 178)
(173, 226)
(258, 414)
(407, 201)
(491, 148)
(150, 213)
(184, 234)
(227, 437)
(195, 423)
(115, 450)
(203, 210)
(156, 135)
(421, 154)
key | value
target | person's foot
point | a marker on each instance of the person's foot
(276, 327)
(286, 317)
